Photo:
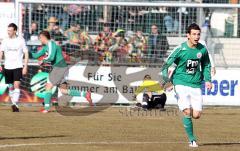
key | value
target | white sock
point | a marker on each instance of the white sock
(16, 95)
(10, 91)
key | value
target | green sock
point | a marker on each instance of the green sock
(187, 123)
(47, 100)
(74, 92)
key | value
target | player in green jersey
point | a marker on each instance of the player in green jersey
(192, 68)
(54, 56)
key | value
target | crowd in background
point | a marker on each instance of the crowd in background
(107, 46)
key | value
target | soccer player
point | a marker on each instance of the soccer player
(153, 96)
(14, 48)
(53, 54)
(192, 68)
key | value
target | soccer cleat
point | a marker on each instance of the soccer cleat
(193, 144)
(88, 97)
(15, 108)
(44, 111)
(138, 105)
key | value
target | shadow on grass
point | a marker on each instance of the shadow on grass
(221, 144)
(31, 137)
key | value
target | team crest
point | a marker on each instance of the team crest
(199, 55)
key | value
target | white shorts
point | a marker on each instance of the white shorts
(189, 97)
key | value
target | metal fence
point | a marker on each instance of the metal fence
(123, 32)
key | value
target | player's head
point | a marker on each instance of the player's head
(44, 37)
(12, 30)
(193, 33)
(147, 77)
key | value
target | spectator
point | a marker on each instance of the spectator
(169, 23)
(32, 34)
(103, 42)
(140, 43)
(85, 41)
(130, 47)
(119, 47)
(153, 96)
(104, 39)
(57, 34)
(157, 45)
(72, 34)
(51, 23)
(55, 31)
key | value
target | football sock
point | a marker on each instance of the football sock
(47, 99)
(15, 96)
(188, 125)
(75, 92)
(10, 91)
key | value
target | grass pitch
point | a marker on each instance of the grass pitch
(116, 129)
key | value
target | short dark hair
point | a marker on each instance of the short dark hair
(46, 34)
(33, 22)
(147, 77)
(193, 26)
(14, 26)
(154, 24)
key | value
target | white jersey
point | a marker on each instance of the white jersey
(13, 49)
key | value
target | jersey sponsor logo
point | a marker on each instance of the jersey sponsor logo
(12, 49)
(192, 65)
(199, 55)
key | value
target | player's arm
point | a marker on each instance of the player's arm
(52, 49)
(2, 48)
(171, 59)
(39, 53)
(26, 58)
(140, 89)
(206, 68)
(1, 56)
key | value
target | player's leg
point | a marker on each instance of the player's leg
(9, 80)
(77, 92)
(16, 96)
(184, 103)
(145, 101)
(188, 125)
(47, 97)
(59, 80)
(196, 102)
(160, 100)
(17, 76)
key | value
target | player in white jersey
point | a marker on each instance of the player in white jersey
(14, 48)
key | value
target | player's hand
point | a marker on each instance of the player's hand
(1, 68)
(208, 85)
(213, 71)
(168, 86)
(24, 70)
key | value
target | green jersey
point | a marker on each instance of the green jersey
(54, 54)
(192, 66)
